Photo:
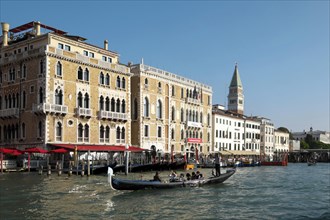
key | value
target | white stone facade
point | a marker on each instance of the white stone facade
(252, 135)
(267, 147)
(281, 142)
(234, 132)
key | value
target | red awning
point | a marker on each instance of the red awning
(136, 149)
(98, 147)
(6, 150)
(59, 150)
(36, 150)
(16, 152)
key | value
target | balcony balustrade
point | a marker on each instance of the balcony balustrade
(120, 141)
(84, 112)
(50, 108)
(193, 101)
(194, 124)
(12, 57)
(83, 139)
(104, 140)
(9, 113)
(38, 108)
(112, 115)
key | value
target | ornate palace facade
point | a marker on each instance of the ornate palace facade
(170, 113)
(57, 89)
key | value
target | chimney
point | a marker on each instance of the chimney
(37, 28)
(106, 44)
(5, 30)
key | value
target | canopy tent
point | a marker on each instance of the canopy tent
(16, 152)
(11, 151)
(36, 150)
(5, 150)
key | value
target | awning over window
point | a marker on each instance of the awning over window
(98, 147)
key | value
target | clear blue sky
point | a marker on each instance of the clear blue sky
(282, 47)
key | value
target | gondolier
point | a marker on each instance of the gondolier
(217, 165)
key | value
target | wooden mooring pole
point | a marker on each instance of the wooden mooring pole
(70, 169)
(41, 169)
(49, 170)
(82, 168)
(88, 165)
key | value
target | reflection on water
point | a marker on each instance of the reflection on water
(293, 192)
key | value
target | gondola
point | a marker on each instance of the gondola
(103, 169)
(121, 184)
(311, 163)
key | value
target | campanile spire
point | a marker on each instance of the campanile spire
(235, 96)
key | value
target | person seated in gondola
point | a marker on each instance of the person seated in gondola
(188, 176)
(173, 176)
(193, 176)
(199, 175)
(156, 177)
(181, 178)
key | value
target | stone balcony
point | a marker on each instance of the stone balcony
(194, 124)
(9, 113)
(120, 141)
(193, 101)
(14, 57)
(50, 108)
(117, 116)
(84, 112)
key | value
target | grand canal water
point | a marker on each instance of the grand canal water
(297, 191)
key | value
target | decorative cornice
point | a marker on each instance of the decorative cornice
(22, 60)
(84, 45)
(57, 56)
(145, 70)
